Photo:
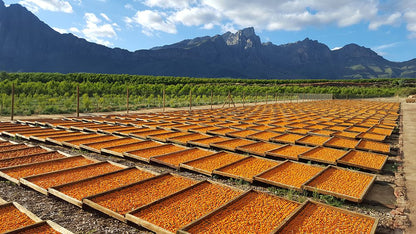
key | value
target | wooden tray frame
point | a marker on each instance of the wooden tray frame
(338, 195)
(150, 226)
(297, 211)
(281, 185)
(89, 203)
(55, 190)
(16, 181)
(305, 156)
(250, 180)
(204, 172)
(25, 181)
(129, 154)
(108, 150)
(222, 147)
(339, 161)
(184, 229)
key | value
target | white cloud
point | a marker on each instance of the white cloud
(49, 5)
(391, 20)
(176, 4)
(105, 17)
(336, 48)
(165, 15)
(128, 6)
(96, 31)
(380, 49)
(151, 21)
(196, 17)
(411, 23)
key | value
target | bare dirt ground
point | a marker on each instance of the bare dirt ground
(409, 150)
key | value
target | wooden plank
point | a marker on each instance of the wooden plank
(139, 145)
(227, 206)
(135, 154)
(2, 201)
(41, 226)
(42, 137)
(279, 184)
(376, 170)
(26, 181)
(93, 146)
(153, 227)
(56, 190)
(226, 174)
(193, 151)
(89, 201)
(3, 171)
(76, 143)
(296, 213)
(338, 195)
(60, 139)
(206, 172)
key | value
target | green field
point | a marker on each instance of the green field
(53, 93)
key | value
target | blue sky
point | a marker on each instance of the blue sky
(386, 26)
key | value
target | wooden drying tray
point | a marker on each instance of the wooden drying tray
(59, 139)
(27, 135)
(155, 228)
(295, 214)
(33, 227)
(192, 151)
(331, 143)
(361, 146)
(4, 174)
(42, 136)
(266, 146)
(251, 179)
(205, 142)
(241, 133)
(81, 127)
(114, 129)
(184, 139)
(227, 206)
(14, 131)
(156, 151)
(283, 185)
(89, 201)
(136, 146)
(97, 146)
(306, 155)
(306, 140)
(76, 143)
(55, 191)
(287, 138)
(21, 209)
(231, 144)
(213, 157)
(278, 152)
(26, 181)
(163, 137)
(145, 134)
(339, 195)
(376, 170)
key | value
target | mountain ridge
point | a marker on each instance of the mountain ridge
(29, 45)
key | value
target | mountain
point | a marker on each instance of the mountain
(29, 45)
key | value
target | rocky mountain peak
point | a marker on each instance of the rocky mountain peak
(245, 38)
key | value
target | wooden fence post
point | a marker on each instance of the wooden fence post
(211, 98)
(127, 100)
(164, 100)
(12, 113)
(243, 98)
(77, 100)
(190, 99)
